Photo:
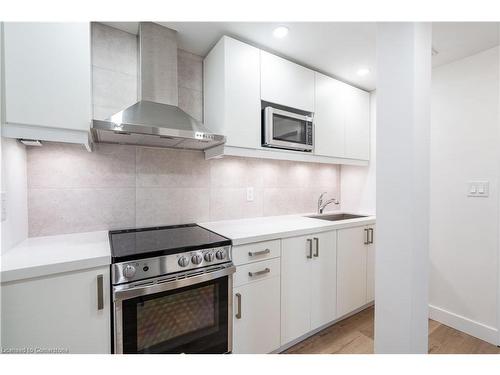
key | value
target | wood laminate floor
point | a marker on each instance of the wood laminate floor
(354, 335)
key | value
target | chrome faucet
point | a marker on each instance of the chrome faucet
(322, 204)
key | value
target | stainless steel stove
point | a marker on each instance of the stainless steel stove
(172, 290)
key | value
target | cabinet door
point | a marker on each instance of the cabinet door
(232, 92)
(286, 83)
(295, 288)
(357, 123)
(58, 311)
(329, 117)
(257, 330)
(323, 279)
(370, 267)
(351, 269)
(47, 74)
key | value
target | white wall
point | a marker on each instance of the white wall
(464, 231)
(357, 184)
(403, 129)
(14, 185)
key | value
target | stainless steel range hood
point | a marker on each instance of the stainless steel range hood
(156, 120)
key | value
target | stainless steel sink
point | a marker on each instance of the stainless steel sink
(336, 217)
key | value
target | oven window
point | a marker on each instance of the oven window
(193, 319)
(289, 129)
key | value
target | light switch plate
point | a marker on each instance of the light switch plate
(478, 189)
(249, 194)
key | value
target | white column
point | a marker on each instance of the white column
(403, 126)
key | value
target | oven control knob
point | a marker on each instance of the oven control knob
(183, 261)
(196, 259)
(129, 271)
(209, 257)
(220, 254)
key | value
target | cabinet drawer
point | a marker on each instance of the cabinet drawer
(256, 251)
(256, 271)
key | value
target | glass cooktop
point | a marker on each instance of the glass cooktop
(142, 243)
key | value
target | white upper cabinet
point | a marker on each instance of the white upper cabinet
(357, 123)
(286, 83)
(238, 77)
(232, 92)
(329, 117)
(341, 120)
(47, 81)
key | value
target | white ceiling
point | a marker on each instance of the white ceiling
(456, 40)
(338, 49)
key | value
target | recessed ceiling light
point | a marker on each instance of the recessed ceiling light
(363, 72)
(280, 32)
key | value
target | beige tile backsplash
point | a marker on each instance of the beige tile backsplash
(117, 186)
(71, 190)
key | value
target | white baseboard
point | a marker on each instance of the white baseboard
(461, 323)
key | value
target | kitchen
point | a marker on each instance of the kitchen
(178, 202)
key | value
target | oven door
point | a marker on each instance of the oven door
(192, 314)
(288, 130)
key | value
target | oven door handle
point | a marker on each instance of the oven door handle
(125, 291)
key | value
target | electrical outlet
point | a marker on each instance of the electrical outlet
(249, 194)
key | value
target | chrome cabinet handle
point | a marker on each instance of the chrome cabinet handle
(367, 236)
(370, 235)
(310, 242)
(238, 312)
(256, 253)
(316, 240)
(264, 271)
(100, 292)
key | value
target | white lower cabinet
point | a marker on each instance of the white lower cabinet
(324, 280)
(370, 265)
(353, 246)
(295, 288)
(256, 311)
(319, 278)
(68, 312)
(308, 284)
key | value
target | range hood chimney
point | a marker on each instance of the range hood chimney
(156, 120)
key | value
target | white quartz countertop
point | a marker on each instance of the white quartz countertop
(244, 231)
(41, 256)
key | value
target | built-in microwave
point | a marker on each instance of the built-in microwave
(287, 130)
